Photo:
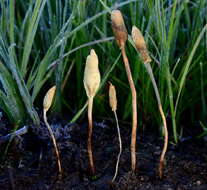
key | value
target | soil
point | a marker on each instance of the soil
(30, 162)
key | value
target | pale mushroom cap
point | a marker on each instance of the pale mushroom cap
(140, 44)
(92, 77)
(117, 17)
(92, 60)
(47, 102)
(138, 38)
(112, 97)
(118, 27)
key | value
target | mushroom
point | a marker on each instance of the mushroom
(91, 83)
(121, 35)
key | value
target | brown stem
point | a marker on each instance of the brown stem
(162, 157)
(161, 165)
(54, 142)
(90, 131)
(134, 108)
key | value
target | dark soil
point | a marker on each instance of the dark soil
(30, 163)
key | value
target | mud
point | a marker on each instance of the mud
(30, 162)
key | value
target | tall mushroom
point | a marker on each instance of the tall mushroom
(47, 102)
(91, 84)
(121, 35)
(142, 49)
(113, 104)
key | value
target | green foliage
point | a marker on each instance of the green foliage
(44, 42)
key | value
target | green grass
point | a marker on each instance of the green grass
(43, 43)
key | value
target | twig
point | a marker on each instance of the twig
(18, 132)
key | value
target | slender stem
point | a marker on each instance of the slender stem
(162, 157)
(134, 108)
(161, 165)
(90, 131)
(54, 142)
(149, 70)
(120, 146)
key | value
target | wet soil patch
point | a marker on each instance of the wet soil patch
(30, 162)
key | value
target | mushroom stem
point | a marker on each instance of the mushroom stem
(120, 146)
(134, 108)
(54, 143)
(90, 131)
(162, 157)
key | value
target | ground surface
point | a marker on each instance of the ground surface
(30, 163)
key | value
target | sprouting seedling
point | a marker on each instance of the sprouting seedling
(121, 35)
(46, 106)
(113, 104)
(142, 49)
(91, 83)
